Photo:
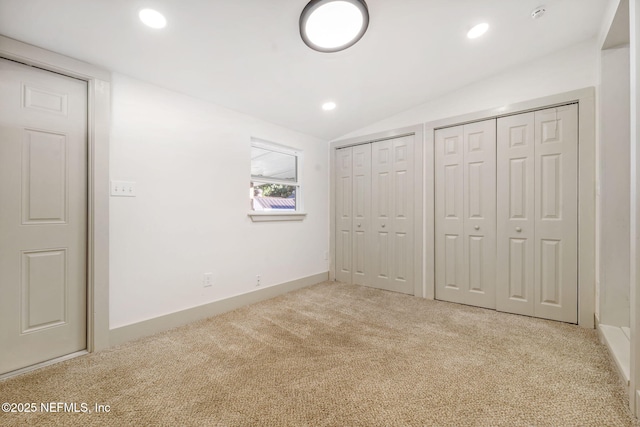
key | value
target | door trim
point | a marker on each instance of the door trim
(98, 119)
(585, 98)
(418, 222)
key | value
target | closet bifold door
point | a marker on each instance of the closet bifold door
(344, 216)
(465, 163)
(516, 160)
(556, 214)
(361, 213)
(537, 214)
(353, 211)
(392, 215)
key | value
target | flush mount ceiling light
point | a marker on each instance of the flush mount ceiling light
(328, 106)
(333, 25)
(152, 18)
(478, 30)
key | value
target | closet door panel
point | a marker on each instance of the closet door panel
(361, 213)
(381, 188)
(402, 215)
(344, 217)
(515, 214)
(479, 223)
(556, 204)
(449, 174)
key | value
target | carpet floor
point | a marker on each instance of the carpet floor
(339, 355)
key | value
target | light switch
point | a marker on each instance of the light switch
(123, 189)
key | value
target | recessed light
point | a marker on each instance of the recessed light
(152, 18)
(478, 30)
(328, 106)
(333, 25)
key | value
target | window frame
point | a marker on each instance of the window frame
(298, 214)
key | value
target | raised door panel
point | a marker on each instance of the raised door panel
(381, 213)
(401, 200)
(479, 222)
(344, 217)
(449, 201)
(515, 214)
(44, 177)
(556, 205)
(361, 213)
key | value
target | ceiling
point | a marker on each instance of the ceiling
(247, 55)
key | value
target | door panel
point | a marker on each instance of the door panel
(449, 162)
(465, 214)
(515, 214)
(392, 214)
(344, 218)
(479, 222)
(401, 201)
(556, 213)
(362, 212)
(43, 186)
(537, 213)
(380, 203)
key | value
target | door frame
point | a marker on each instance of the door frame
(98, 122)
(585, 98)
(418, 132)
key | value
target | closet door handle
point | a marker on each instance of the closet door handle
(477, 227)
(384, 225)
(518, 229)
(359, 225)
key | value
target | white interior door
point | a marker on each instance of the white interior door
(466, 213)
(537, 214)
(361, 213)
(392, 214)
(344, 217)
(556, 214)
(479, 223)
(451, 281)
(516, 225)
(43, 215)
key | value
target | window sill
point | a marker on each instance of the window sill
(281, 216)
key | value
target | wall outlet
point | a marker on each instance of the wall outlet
(207, 281)
(123, 189)
(257, 280)
(326, 256)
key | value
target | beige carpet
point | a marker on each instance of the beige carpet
(340, 355)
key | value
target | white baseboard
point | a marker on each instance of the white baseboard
(619, 347)
(159, 324)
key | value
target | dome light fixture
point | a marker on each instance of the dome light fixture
(333, 25)
(152, 18)
(478, 30)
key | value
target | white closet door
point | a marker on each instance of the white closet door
(451, 282)
(392, 215)
(361, 213)
(344, 217)
(43, 215)
(556, 213)
(479, 224)
(537, 214)
(465, 214)
(516, 225)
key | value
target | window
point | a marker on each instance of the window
(275, 184)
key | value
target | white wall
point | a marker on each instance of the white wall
(563, 71)
(191, 162)
(614, 182)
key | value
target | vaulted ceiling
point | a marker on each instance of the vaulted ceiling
(247, 55)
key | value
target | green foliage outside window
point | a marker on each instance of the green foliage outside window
(274, 190)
